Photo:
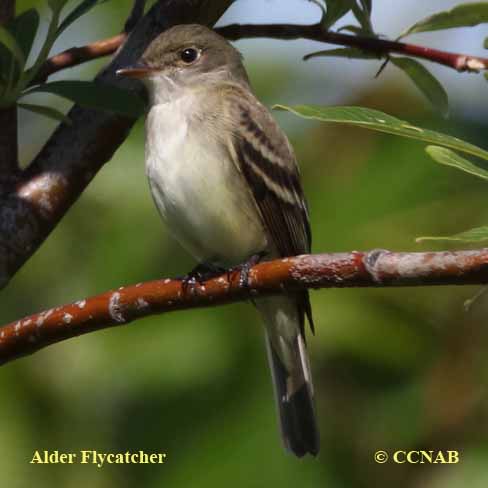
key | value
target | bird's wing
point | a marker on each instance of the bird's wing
(264, 156)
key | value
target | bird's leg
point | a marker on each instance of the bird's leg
(244, 268)
(199, 274)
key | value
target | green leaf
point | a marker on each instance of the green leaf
(5, 62)
(24, 29)
(336, 9)
(449, 158)
(363, 16)
(425, 82)
(464, 15)
(367, 6)
(90, 94)
(57, 5)
(347, 52)
(82, 8)
(351, 28)
(478, 234)
(9, 41)
(379, 121)
(46, 112)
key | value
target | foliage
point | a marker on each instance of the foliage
(392, 368)
(17, 39)
(464, 15)
(441, 152)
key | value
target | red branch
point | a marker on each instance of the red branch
(380, 47)
(78, 55)
(373, 269)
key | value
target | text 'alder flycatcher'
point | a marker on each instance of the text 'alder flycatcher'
(225, 180)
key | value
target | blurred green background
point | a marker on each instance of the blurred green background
(393, 368)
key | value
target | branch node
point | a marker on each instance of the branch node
(370, 261)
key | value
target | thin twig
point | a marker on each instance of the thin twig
(79, 55)
(378, 268)
(315, 32)
(380, 47)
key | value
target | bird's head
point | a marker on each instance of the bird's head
(186, 56)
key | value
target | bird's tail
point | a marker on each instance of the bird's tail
(290, 370)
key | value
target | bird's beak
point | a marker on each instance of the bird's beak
(139, 71)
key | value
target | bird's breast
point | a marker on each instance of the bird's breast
(198, 189)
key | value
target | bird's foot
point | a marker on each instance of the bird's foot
(244, 268)
(199, 274)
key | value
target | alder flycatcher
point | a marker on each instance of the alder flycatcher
(225, 179)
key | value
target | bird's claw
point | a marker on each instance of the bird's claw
(198, 275)
(244, 269)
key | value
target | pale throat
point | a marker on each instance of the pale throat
(164, 89)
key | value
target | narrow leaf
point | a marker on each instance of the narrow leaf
(449, 158)
(425, 82)
(336, 9)
(464, 15)
(347, 52)
(46, 112)
(82, 8)
(351, 28)
(478, 234)
(56, 5)
(90, 94)
(363, 17)
(9, 41)
(379, 121)
(24, 29)
(367, 6)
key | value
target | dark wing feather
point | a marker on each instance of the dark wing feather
(268, 163)
(272, 172)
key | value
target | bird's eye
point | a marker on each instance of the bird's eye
(189, 55)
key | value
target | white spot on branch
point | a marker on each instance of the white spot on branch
(67, 318)
(141, 303)
(39, 191)
(114, 308)
(474, 64)
(42, 317)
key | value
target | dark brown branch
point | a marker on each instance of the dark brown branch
(9, 164)
(378, 268)
(74, 154)
(234, 32)
(381, 47)
(135, 15)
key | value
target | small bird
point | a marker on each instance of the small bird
(226, 182)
